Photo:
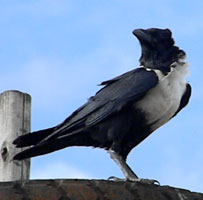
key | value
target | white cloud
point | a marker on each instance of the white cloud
(57, 170)
(49, 79)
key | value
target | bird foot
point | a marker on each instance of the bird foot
(141, 180)
(113, 178)
(149, 181)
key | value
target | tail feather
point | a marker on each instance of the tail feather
(32, 138)
(41, 149)
(48, 146)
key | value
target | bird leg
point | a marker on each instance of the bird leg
(127, 171)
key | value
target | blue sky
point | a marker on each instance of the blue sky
(58, 51)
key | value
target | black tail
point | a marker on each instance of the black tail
(32, 138)
(54, 144)
(43, 148)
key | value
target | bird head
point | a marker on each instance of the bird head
(158, 49)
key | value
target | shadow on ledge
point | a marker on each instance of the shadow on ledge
(77, 189)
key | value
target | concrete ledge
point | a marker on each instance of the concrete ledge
(69, 189)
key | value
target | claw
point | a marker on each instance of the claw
(113, 178)
(141, 180)
(149, 181)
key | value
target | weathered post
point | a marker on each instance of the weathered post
(15, 112)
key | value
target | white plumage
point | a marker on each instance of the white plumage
(162, 101)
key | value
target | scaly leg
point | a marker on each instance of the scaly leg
(127, 171)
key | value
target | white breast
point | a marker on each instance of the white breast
(162, 101)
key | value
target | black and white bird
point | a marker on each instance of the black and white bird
(127, 109)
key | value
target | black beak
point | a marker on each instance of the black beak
(143, 36)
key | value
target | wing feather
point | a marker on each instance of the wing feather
(117, 93)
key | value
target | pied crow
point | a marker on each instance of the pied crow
(127, 109)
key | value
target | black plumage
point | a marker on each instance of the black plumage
(125, 111)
